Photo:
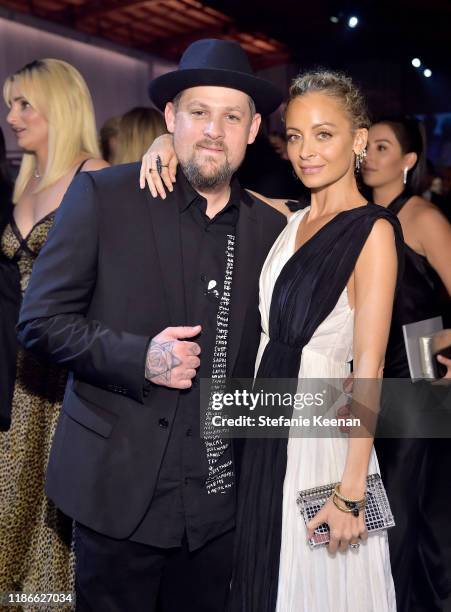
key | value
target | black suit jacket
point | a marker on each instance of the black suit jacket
(108, 279)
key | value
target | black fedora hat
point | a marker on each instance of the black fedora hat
(221, 63)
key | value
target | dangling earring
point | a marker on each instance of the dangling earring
(406, 171)
(359, 157)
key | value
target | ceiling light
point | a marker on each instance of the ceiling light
(416, 62)
(352, 22)
(427, 73)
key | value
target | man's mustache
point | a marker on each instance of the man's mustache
(214, 144)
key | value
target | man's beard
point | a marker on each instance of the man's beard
(220, 176)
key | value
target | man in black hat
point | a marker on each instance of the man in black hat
(139, 299)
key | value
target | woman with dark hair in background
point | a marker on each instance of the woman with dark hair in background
(394, 170)
(415, 471)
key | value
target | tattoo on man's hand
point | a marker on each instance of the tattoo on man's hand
(161, 360)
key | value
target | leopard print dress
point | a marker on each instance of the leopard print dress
(35, 538)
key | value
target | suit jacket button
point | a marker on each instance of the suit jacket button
(164, 423)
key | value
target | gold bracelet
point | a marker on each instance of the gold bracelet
(347, 499)
(351, 506)
(337, 505)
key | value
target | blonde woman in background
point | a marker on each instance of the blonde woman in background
(138, 128)
(51, 113)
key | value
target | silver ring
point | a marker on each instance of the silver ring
(354, 546)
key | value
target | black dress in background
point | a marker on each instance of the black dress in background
(416, 471)
(420, 297)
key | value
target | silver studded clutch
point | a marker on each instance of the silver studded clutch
(378, 514)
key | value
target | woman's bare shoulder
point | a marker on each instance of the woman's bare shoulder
(418, 206)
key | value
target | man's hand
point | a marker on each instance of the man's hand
(171, 361)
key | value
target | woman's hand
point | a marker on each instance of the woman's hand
(163, 147)
(345, 528)
(446, 362)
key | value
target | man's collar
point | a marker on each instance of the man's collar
(235, 192)
(187, 193)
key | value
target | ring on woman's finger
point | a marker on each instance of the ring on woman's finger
(354, 546)
(158, 164)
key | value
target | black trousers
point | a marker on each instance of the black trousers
(124, 576)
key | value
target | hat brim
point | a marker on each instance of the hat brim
(164, 88)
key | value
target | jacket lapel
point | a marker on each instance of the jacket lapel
(245, 275)
(165, 219)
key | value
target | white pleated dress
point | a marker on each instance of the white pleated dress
(315, 580)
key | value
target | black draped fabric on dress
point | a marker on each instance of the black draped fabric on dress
(306, 291)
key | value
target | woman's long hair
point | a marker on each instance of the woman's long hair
(138, 129)
(57, 91)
